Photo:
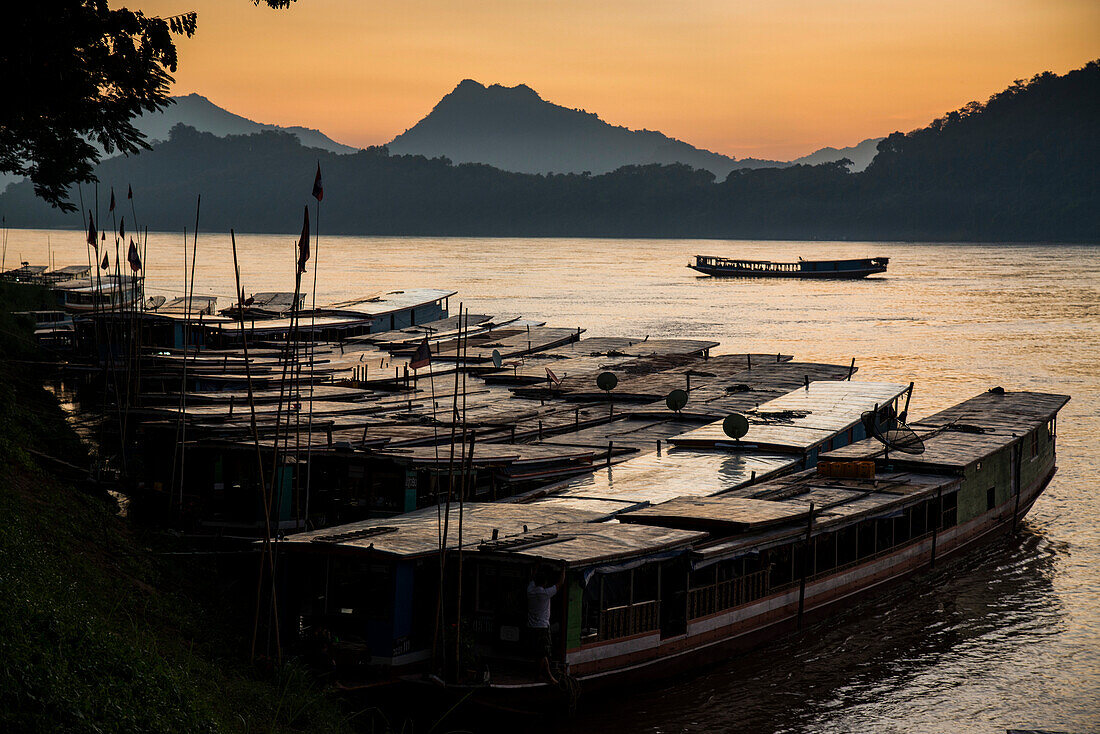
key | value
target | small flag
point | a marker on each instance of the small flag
(133, 257)
(129, 192)
(552, 377)
(105, 265)
(92, 239)
(122, 229)
(318, 189)
(303, 244)
(112, 207)
(423, 355)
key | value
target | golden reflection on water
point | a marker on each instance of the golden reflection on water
(1007, 638)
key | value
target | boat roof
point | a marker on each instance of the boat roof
(804, 418)
(589, 543)
(179, 305)
(26, 270)
(91, 285)
(766, 515)
(486, 454)
(1001, 411)
(967, 433)
(381, 304)
(658, 477)
(71, 270)
(417, 533)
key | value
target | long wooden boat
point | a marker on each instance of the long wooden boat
(658, 587)
(734, 268)
(780, 554)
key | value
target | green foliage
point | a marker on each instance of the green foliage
(98, 633)
(77, 72)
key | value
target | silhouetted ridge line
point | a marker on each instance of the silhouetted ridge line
(1022, 166)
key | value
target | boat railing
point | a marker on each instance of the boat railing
(870, 557)
(716, 597)
(747, 265)
(630, 619)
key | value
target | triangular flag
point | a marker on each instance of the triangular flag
(423, 355)
(92, 239)
(122, 228)
(112, 207)
(133, 257)
(303, 244)
(105, 265)
(129, 192)
(318, 189)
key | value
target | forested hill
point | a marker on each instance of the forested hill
(514, 129)
(1024, 166)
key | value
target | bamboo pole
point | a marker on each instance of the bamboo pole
(266, 550)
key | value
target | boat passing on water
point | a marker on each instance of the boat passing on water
(728, 267)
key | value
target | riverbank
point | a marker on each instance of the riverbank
(98, 632)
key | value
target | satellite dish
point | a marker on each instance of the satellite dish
(884, 425)
(497, 361)
(676, 400)
(735, 425)
(607, 381)
(155, 302)
(879, 420)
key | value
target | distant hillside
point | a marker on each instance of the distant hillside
(194, 110)
(198, 112)
(1023, 166)
(860, 155)
(514, 129)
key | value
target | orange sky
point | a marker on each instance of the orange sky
(760, 78)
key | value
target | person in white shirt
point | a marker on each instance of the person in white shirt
(540, 590)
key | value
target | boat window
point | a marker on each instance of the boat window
(901, 527)
(950, 510)
(645, 583)
(990, 498)
(920, 519)
(884, 534)
(866, 538)
(704, 576)
(846, 550)
(781, 560)
(825, 553)
(616, 589)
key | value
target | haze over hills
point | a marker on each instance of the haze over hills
(511, 128)
(514, 129)
(198, 112)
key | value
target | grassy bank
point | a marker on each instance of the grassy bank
(97, 631)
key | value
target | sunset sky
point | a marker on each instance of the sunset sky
(760, 78)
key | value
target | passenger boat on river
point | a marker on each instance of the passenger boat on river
(734, 268)
(653, 587)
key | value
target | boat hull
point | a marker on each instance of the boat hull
(817, 275)
(714, 639)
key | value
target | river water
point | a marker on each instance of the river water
(1008, 637)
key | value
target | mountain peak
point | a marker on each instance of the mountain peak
(515, 129)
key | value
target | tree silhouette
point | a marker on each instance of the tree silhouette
(76, 73)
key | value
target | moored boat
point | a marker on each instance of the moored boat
(735, 268)
(657, 586)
